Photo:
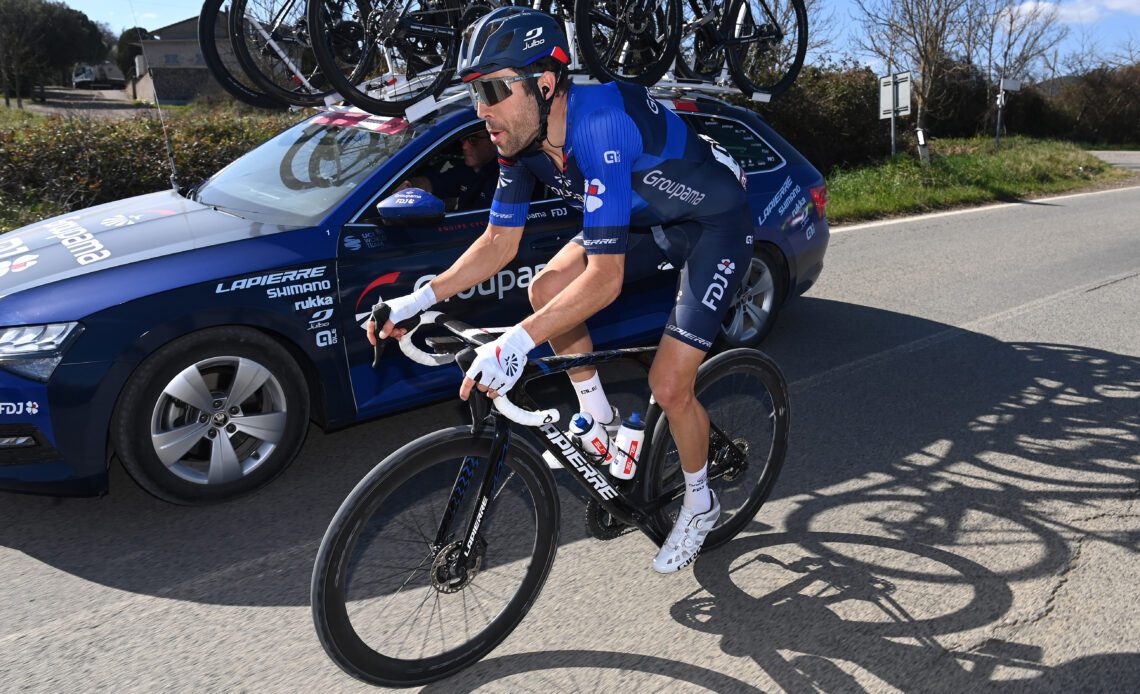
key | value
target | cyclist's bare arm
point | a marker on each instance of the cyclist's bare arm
(590, 292)
(490, 253)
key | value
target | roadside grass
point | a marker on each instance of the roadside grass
(964, 172)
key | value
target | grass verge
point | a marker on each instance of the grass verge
(964, 172)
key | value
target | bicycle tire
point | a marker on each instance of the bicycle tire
(700, 54)
(268, 72)
(662, 468)
(235, 87)
(602, 61)
(415, 464)
(354, 80)
(748, 77)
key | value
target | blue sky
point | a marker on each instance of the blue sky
(1108, 23)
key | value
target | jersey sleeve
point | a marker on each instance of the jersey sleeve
(605, 147)
(512, 195)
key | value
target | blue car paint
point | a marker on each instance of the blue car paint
(169, 277)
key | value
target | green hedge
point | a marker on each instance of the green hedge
(51, 165)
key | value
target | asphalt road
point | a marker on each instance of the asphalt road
(958, 511)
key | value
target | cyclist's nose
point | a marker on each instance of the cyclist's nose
(481, 110)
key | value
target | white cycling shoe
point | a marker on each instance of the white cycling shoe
(685, 540)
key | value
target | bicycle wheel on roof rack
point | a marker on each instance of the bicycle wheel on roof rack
(766, 41)
(630, 40)
(213, 39)
(700, 53)
(271, 40)
(389, 57)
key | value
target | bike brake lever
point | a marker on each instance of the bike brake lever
(478, 401)
(380, 314)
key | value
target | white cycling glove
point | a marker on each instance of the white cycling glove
(410, 305)
(499, 364)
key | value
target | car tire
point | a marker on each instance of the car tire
(181, 438)
(754, 310)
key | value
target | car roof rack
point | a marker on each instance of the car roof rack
(670, 87)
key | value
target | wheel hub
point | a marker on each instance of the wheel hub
(449, 574)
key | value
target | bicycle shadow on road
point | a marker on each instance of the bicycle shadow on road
(869, 411)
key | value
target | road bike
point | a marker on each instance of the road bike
(213, 39)
(438, 553)
(272, 40)
(762, 43)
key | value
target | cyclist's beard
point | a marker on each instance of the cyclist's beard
(517, 135)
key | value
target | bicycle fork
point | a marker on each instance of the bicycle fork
(470, 551)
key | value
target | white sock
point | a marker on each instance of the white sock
(592, 399)
(697, 495)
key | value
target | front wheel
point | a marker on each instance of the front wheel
(766, 44)
(392, 603)
(747, 401)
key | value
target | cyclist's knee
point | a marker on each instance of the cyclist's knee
(670, 393)
(542, 290)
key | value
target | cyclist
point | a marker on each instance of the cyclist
(620, 156)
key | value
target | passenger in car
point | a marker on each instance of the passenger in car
(472, 185)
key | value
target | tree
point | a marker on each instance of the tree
(68, 37)
(19, 32)
(1012, 39)
(41, 40)
(128, 47)
(920, 35)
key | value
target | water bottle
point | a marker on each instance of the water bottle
(593, 438)
(628, 442)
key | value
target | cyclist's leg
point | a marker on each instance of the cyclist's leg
(564, 268)
(708, 283)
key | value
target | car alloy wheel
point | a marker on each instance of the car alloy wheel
(753, 310)
(219, 420)
(213, 415)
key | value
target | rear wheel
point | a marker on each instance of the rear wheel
(213, 415)
(392, 604)
(632, 40)
(753, 311)
(747, 401)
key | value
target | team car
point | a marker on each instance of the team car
(193, 336)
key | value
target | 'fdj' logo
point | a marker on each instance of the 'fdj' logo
(715, 292)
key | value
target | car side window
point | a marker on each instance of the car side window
(746, 146)
(463, 171)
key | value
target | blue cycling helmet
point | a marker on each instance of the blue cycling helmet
(514, 37)
(511, 37)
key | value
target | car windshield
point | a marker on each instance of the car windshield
(297, 177)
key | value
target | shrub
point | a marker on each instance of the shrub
(831, 115)
(66, 163)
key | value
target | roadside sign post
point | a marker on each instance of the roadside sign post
(894, 101)
(1005, 85)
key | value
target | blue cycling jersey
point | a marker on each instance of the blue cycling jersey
(627, 159)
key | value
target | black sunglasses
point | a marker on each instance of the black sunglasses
(491, 91)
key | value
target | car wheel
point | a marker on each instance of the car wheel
(212, 416)
(754, 310)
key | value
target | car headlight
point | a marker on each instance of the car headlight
(33, 351)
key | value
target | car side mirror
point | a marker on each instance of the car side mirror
(410, 207)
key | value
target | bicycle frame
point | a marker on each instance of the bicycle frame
(613, 500)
